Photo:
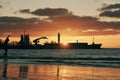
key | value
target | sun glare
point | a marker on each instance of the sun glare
(65, 43)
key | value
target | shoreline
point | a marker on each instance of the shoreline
(52, 63)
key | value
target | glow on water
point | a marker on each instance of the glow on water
(58, 72)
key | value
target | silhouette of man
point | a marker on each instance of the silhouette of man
(6, 45)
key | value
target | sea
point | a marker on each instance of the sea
(60, 64)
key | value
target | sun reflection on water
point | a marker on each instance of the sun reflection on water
(55, 72)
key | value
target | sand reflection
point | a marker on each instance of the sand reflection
(55, 72)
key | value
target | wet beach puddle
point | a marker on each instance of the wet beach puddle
(56, 72)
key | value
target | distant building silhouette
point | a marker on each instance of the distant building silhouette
(25, 40)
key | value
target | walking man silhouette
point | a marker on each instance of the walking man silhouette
(6, 45)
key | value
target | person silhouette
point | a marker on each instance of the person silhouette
(6, 45)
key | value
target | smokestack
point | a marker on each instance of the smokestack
(58, 38)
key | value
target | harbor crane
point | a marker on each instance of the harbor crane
(36, 41)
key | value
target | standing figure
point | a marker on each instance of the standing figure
(6, 45)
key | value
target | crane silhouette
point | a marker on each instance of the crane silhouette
(36, 41)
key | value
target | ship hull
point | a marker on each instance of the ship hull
(95, 46)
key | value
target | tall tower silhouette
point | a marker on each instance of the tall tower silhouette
(25, 39)
(58, 38)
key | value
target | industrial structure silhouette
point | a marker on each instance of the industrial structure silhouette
(25, 43)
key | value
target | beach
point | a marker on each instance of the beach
(60, 64)
(58, 72)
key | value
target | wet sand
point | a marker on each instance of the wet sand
(55, 72)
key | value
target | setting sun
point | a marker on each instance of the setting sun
(65, 43)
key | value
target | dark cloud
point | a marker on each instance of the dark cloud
(85, 22)
(48, 12)
(112, 14)
(57, 20)
(74, 18)
(112, 11)
(17, 22)
(51, 12)
(111, 6)
(16, 25)
(11, 19)
(1, 6)
(24, 11)
(7, 19)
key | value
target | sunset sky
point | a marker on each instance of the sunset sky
(75, 19)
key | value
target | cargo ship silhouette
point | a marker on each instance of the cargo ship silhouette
(75, 45)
